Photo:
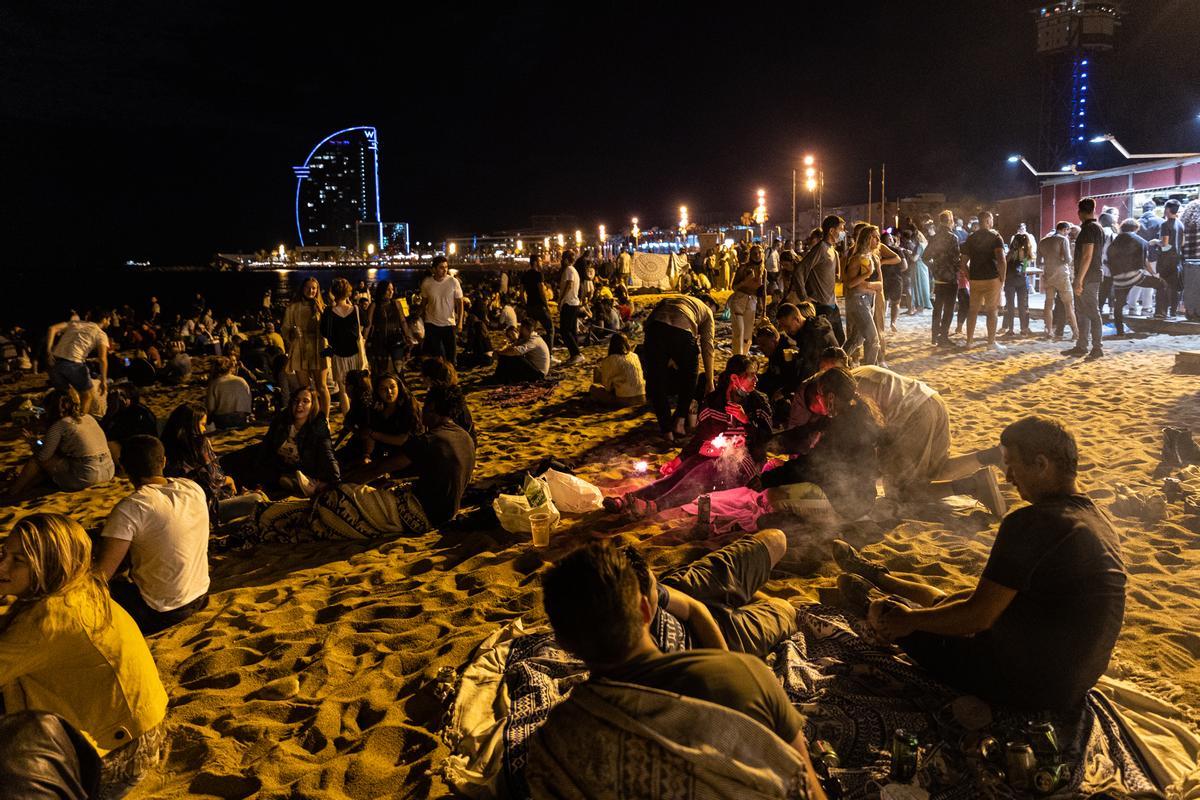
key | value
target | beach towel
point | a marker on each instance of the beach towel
(654, 271)
(347, 511)
(617, 741)
(854, 694)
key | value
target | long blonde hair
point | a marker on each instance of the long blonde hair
(317, 302)
(60, 562)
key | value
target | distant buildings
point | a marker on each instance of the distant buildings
(337, 192)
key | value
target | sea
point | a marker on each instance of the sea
(44, 299)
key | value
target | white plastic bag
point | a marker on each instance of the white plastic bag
(571, 494)
(513, 510)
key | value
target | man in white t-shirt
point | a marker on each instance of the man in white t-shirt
(444, 311)
(568, 310)
(76, 341)
(163, 528)
(526, 358)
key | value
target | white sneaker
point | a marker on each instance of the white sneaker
(987, 491)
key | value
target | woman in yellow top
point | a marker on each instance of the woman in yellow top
(66, 648)
(861, 291)
(302, 332)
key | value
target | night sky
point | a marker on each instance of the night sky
(168, 131)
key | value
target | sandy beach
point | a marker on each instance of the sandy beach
(313, 672)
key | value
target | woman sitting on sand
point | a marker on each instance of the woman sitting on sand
(727, 449)
(392, 418)
(296, 455)
(437, 371)
(190, 455)
(66, 648)
(73, 452)
(836, 448)
(302, 332)
(617, 380)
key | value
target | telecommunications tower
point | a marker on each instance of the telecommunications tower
(1072, 38)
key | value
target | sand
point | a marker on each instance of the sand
(313, 672)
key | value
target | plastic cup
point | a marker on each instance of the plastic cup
(539, 526)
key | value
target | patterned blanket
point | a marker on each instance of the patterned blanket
(854, 694)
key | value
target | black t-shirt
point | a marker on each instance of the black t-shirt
(444, 459)
(1090, 233)
(1127, 253)
(980, 249)
(531, 280)
(734, 680)
(1064, 560)
(341, 332)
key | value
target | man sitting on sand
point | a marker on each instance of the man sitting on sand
(716, 598)
(600, 616)
(1039, 628)
(76, 340)
(526, 357)
(163, 528)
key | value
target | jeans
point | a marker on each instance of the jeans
(1016, 288)
(516, 369)
(943, 310)
(441, 340)
(1060, 307)
(860, 310)
(698, 475)
(542, 314)
(834, 316)
(1166, 300)
(1087, 311)
(664, 344)
(1121, 294)
(568, 322)
(149, 620)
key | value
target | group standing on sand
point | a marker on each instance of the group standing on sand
(80, 686)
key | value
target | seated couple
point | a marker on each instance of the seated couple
(719, 721)
(1038, 629)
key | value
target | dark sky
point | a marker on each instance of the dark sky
(167, 130)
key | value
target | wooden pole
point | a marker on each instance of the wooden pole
(870, 195)
(883, 196)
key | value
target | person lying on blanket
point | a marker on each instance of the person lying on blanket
(600, 616)
(1039, 628)
(727, 448)
(716, 598)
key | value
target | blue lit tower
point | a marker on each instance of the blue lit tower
(1072, 36)
(337, 189)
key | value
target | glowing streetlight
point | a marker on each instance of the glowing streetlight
(1108, 137)
(635, 232)
(451, 249)
(760, 211)
(282, 253)
(683, 219)
(546, 244)
(561, 241)
(1068, 169)
(603, 235)
(520, 245)
(370, 249)
(578, 238)
(811, 184)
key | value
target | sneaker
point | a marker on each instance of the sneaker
(857, 593)
(987, 491)
(851, 561)
(1075, 351)
(573, 360)
(1096, 353)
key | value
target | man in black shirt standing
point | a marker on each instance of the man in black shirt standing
(536, 307)
(984, 250)
(1089, 245)
(1166, 301)
(942, 255)
(1038, 630)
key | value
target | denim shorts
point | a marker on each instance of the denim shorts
(70, 373)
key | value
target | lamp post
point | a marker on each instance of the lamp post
(451, 249)
(578, 242)
(1068, 169)
(1108, 137)
(603, 239)
(546, 246)
(282, 253)
(683, 224)
(760, 211)
(635, 233)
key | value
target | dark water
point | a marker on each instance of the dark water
(42, 298)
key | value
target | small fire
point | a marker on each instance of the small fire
(640, 467)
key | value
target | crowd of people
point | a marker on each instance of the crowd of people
(805, 399)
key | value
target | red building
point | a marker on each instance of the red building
(1125, 188)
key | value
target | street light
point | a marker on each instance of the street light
(370, 249)
(1108, 137)
(451, 249)
(561, 241)
(683, 219)
(760, 211)
(603, 235)
(1068, 169)
(520, 245)
(546, 245)
(282, 253)
(635, 233)
(809, 161)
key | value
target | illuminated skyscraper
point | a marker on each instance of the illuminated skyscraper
(337, 188)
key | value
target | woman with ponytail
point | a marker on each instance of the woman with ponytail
(67, 649)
